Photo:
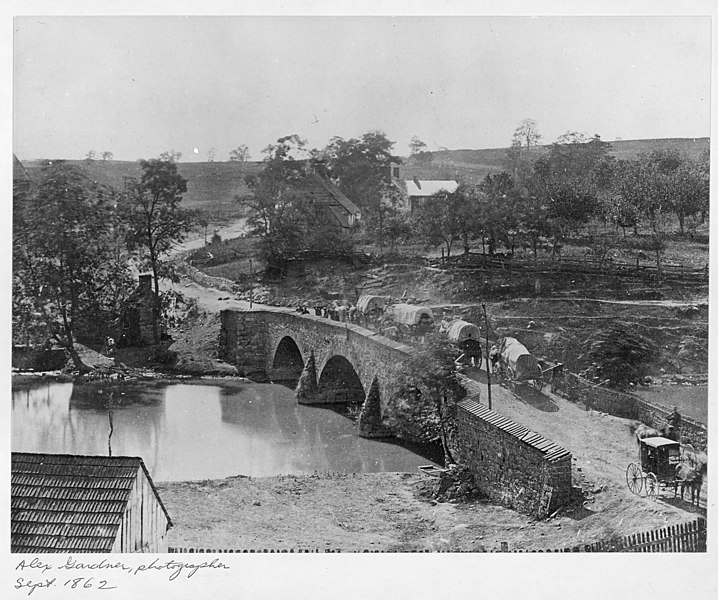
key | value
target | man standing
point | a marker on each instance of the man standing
(674, 422)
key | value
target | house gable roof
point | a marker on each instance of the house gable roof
(337, 204)
(71, 503)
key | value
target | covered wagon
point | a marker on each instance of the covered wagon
(411, 319)
(467, 337)
(370, 309)
(518, 365)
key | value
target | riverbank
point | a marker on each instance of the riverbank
(383, 512)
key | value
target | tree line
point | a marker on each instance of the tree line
(544, 196)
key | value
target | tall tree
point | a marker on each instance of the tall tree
(520, 156)
(156, 221)
(499, 210)
(360, 167)
(568, 200)
(446, 218)
(416, 146)
(239, 154)
(286, 218)
(65, 272)
(423, 393)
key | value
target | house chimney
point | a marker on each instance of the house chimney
(393, 171)
(145, 281)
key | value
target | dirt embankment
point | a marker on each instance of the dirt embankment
(382, 512)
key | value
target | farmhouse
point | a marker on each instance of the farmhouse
(415, 191)
(67, 503)
(338, 210)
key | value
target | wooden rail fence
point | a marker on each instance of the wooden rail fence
(667, 271)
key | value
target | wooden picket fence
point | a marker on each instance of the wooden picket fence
(684, 537)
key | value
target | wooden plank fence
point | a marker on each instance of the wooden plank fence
(684, 537)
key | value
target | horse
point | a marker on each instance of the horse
(643, 431)
(697, 460)
(691, 477)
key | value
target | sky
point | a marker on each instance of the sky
(138, 86)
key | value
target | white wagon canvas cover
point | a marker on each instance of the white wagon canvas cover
(460, 331)
(367, 303)
(515, 356)
(410, 314)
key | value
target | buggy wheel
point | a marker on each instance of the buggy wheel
(651, 486)
(634, 478)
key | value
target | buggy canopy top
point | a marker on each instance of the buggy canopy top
(659, 442)
(460, 331)
(515, 355)
(367, 303)
(411, 314)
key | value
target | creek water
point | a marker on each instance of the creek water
(191, 431)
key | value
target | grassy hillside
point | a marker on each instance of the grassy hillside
(213, 186)
(473, 165)
(210, 186)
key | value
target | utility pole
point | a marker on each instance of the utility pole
(251, 283)
(488, 366)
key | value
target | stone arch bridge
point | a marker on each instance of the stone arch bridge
(332, 362)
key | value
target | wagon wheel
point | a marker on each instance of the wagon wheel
(538, 384)
(651, 486)
(634, 478)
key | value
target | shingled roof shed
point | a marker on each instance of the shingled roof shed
(68, 503)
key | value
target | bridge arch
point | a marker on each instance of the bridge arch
(339, 382)
(288, 361)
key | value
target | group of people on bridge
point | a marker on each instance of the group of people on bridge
(344, 313)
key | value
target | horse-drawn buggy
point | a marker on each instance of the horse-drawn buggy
(467, 337)
(661, 465)
(410, 320)
(370, 310)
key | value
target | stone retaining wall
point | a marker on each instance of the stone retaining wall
(200, 278)
(691, 431)
(628, 406)
(512, 465)
(27, 358)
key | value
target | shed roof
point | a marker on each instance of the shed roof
(429, 187)
(551, 450)
(71, 503)
(19, 172)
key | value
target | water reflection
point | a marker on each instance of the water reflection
(192, 431)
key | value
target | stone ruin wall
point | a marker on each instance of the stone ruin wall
(510, 471)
